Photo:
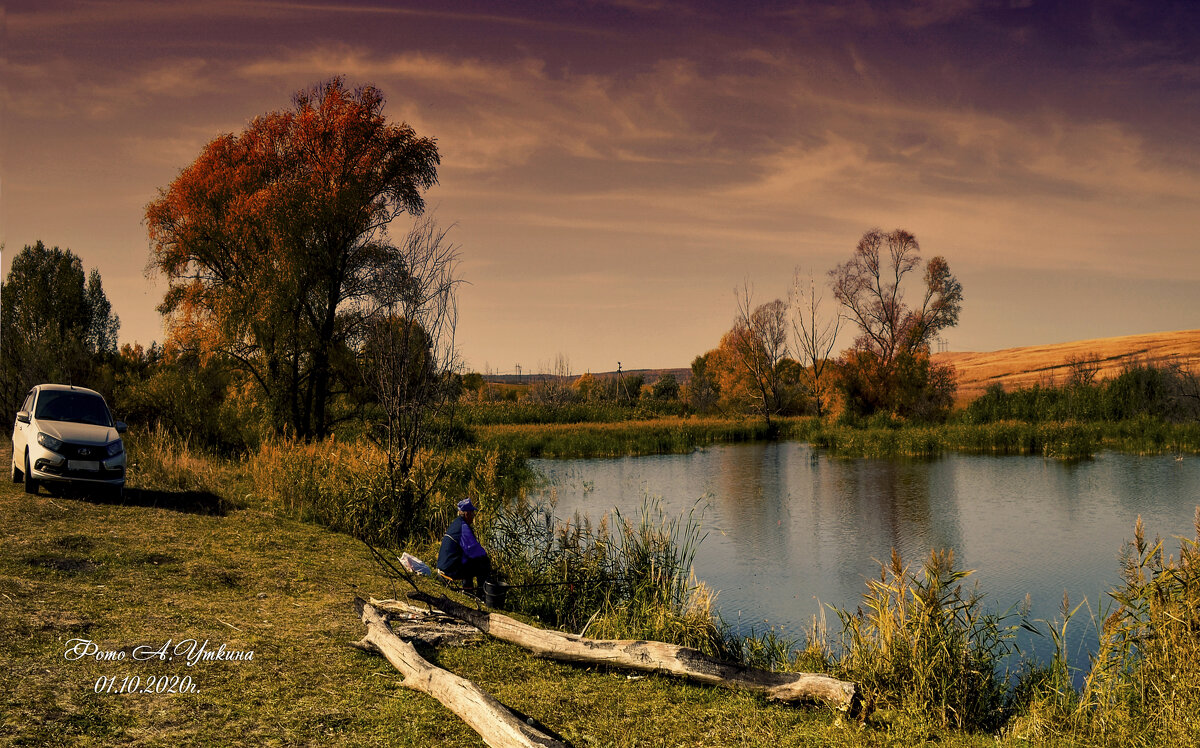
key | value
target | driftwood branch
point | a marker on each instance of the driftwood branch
(657, 657)
(497, 726)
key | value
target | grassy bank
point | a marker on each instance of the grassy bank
(174, 564)
(241, 554)
(1051, 439)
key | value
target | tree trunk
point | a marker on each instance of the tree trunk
(658, 657)
(497, 726)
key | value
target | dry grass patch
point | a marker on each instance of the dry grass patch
(1016, 368)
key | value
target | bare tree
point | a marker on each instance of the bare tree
(760, 344)
(409, 352)
(813, 332)
(1082, 370)
(553, 386)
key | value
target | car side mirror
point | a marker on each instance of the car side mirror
(121, 427)
(23, 416)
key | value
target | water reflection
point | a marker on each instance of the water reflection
(790, 529)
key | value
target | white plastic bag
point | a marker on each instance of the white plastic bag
(415, 565)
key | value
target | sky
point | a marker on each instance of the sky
(613, 169)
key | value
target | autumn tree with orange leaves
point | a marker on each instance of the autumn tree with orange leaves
(269, 241)
(889, 369)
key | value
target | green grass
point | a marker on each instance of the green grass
(197, 551)
(167, 564)
(1067, 440)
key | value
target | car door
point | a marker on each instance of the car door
(21, 432)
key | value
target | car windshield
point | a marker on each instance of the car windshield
(73, 407)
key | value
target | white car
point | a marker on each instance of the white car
(66, 435)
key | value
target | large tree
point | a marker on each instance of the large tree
(270, 239)
(892, 334)
(58, 322)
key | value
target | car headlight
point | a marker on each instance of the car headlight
(49, 442)
(115, 448)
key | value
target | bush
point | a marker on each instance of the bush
(1140, 391)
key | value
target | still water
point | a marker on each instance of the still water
(789, 530)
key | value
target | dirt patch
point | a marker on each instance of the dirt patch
(214, 576)
(66, 623)
(65, 564)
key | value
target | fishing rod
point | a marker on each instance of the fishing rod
(557, 584)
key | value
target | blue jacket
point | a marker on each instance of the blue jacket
(458, 546)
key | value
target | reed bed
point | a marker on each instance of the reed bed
(162, 460)
(1143, 688)
(655, 436)
(621, 578)
(1055, 440)
(346, 486)
(921, 643)
(530, 412)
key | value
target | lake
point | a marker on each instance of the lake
(790, 529)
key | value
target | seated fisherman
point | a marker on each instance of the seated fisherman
(461, 557)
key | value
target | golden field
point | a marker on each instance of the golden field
(1051, 364)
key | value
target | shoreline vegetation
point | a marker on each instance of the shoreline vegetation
(681, 434)
(929, 658)
(285, 518)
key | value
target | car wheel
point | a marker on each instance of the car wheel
(31, 485)
(17, 475)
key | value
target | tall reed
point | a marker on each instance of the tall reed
(345, 486)
(925, 646)
(161, 460)
(655, 436)
(1144, 688)
(619, 578)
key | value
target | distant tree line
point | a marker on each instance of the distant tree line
(777, 359)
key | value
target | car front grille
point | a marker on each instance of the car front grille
(84, 451)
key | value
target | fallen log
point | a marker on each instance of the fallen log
(658, 657)
(424, 626)
(497, 726)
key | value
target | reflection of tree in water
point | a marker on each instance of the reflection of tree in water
(751, 488)
(906, 505)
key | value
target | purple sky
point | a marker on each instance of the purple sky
(614, 169)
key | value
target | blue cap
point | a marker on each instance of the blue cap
(466, 506)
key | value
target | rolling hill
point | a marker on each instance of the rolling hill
(1051, 364)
